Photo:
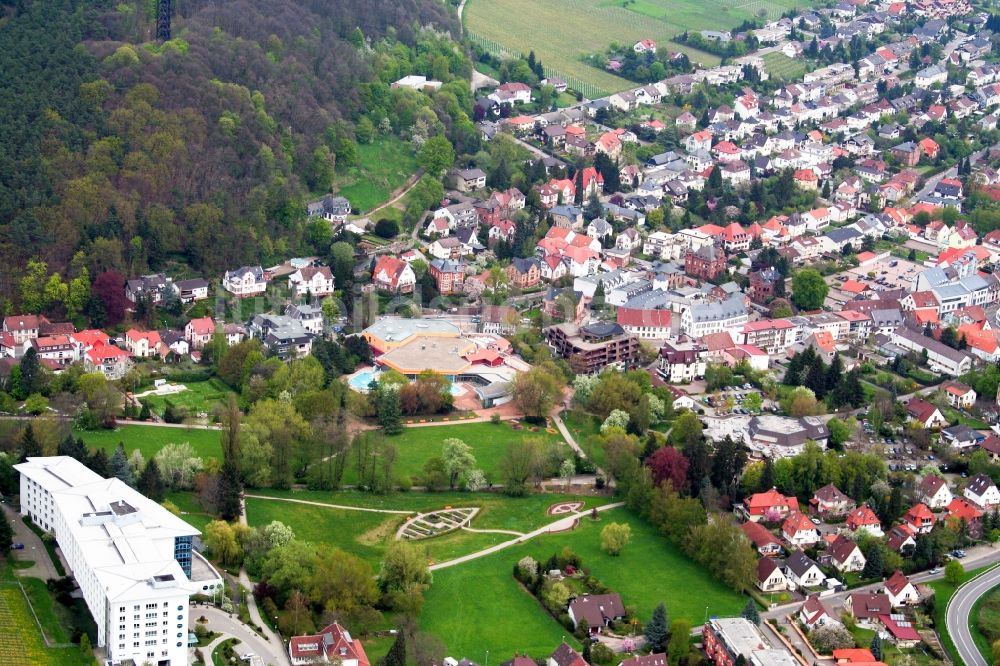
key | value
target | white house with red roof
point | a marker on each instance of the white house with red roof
(143, 344)
(846, 555)
(107, 359)
(393, 275)
(592, 181)
(198, 332)
(864, 519)
(770, 504)
(798, 530)
(901, 591)
(698, 141)
(644, 46)
(646, 324)
(958, 394)
(814, 614)
(920, 518)
(934, 492)
(332, 645)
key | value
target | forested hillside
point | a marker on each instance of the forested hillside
(121, 153)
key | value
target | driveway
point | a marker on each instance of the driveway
(272, 652)
(959, 612)
(34, 549)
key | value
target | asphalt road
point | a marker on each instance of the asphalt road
(959, 612)
(250, 642)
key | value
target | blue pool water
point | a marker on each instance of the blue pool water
(362, 380)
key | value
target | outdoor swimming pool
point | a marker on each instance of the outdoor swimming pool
(361, 381)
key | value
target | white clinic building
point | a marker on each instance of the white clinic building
(132, 559)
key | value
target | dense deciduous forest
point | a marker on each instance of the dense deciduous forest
(119, 153)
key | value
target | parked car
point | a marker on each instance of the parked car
(17, 546)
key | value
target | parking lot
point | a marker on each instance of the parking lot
(890, 273)
(730, 399)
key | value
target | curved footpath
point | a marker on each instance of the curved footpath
(959, 615)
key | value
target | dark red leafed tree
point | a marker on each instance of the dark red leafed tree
(669, 464)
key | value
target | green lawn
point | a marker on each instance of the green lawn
(489, 441)
(199, 397)
(586, 430)
(782, 67)
(191, 509)
(150, 439)
(384, 165)
(471, 624)
(367, 534)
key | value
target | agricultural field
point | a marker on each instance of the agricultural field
(20, 640)
(150, 439)
(561, 32)
(781, 66)
(383, 166)
(489, 441)
(198, 397)
(471, 625)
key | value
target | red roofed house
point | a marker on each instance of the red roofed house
(864, 519)
(968, 513)
(934, 492)
(770, 577)
(771, 506)
(593, 181)
(143, 344)
(814, 614)
(920, 518)
(900, 590)
(566, 656)
(929, 147)
(856, 656)
(846, 555)
(198, 332)
(806, 179)
(798, 530)
(647, 324)
(958, 394)
(393, 275)
(609, 144)
(925, 413)
(766, 543)
(866, 608)
(900, 539)
(107, 359)
(899, 630)
(332, 645)
(24, 327)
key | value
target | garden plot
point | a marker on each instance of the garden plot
(435, 523)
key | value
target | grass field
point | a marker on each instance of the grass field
(150, 439)
(367, 534)
(199, 397)
(414, 446)
(472, 624)
(586, 430)
(781, 66)
(561, 32)
(191, 509)
(383, 166)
